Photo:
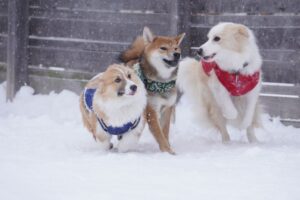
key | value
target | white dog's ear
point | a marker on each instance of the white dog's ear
(147, 35)
(243, 30)
(179, 38)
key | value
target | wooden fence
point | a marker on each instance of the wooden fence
(59, 44)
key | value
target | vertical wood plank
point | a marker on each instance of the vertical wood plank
(174, 17)
(17, 46)
(183, 24)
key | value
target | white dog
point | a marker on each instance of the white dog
(225, 85)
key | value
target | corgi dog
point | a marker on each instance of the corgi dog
(113, 103)
(226, 83)
(155, 59)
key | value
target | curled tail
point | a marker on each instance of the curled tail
(134, 52)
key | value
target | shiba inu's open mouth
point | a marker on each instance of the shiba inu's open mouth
(172, 63)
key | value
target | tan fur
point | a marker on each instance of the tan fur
(105, 86)
(135, 51)
(157, 118)
(160, 136)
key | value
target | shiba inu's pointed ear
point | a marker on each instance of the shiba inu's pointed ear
(243, 30)
(147, 35)
(179, 38)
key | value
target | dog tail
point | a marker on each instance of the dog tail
(134, 52)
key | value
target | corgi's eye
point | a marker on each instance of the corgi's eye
(176, 49)
(129, 76)
(163, 48)
(217, 38)
(118, 80)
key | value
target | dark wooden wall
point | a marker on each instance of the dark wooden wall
(3, 37)
(87, 36)
(71, 40)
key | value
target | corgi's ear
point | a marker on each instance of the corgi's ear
(147, 35)
(179, 38)
(101, 86)
(242, 30)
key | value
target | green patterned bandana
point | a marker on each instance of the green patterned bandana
(151, 85)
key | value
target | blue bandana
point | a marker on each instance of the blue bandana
(88, 95)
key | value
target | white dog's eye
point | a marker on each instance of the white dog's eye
(217, 38)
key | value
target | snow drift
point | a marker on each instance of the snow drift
(45, 153)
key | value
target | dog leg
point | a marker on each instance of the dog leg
(251, 102)
(220, 123)
(128, 142)
(166, 121)
(255, 123)
(103, 138)
(222, 97)
(251, 135)
(156, 130)
(224, 133)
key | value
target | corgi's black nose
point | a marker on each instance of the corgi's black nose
(200, 52)
(176, 56)
(133, 88)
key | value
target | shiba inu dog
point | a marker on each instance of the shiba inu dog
(113, 103)
(155, 59)
(225, 85)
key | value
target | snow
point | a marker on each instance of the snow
(45, 153)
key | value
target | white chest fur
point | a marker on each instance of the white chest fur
(159, 102)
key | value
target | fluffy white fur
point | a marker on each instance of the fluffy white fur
(119, 111)
(209, 97)
(122, 110)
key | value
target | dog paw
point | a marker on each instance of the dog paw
(225, 139)
(168, 150)
(229, 113)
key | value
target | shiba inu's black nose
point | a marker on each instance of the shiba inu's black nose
(200, 51)
(133, 88)
(176, 56)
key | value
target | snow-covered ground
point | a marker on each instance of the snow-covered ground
(45, 153)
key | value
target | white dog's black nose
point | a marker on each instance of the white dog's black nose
(200, 52)
(176, 56)
(133, 88)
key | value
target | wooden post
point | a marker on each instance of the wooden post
(184, 24)
(17, 46)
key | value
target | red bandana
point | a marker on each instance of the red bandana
(237, 84)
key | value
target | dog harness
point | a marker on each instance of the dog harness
(151, 85)
(236, 83)
(88, 96)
